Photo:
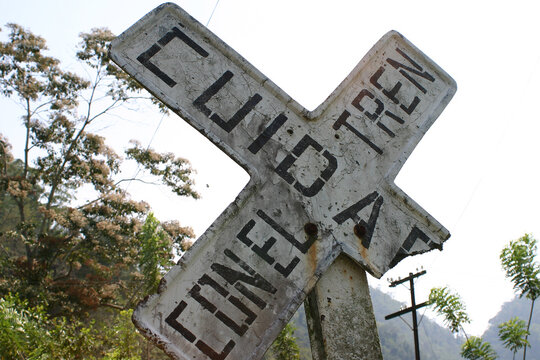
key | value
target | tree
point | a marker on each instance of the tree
(29, 333)
(477, 349)
(285, 346)
(513, 334)
(519, 264)
(21, 330)
(451, 307)
(76, 257)
(76, 268)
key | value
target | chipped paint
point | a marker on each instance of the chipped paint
(315, 177)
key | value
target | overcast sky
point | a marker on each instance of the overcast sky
(476, 170)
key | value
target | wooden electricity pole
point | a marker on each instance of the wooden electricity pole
(411, 309)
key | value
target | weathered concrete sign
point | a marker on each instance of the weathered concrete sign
(321, 181)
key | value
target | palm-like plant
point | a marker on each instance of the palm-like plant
(477, 349)
(518, 261)
(513, 334)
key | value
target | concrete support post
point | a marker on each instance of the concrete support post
(340, 315)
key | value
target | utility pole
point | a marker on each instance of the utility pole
(411, 309)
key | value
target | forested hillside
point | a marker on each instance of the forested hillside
(519, 307)
(436, 342)
(396, 337)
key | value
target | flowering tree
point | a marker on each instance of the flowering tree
(75, 258)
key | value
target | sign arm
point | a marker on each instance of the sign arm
(321, 182)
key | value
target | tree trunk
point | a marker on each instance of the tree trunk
(528, 326)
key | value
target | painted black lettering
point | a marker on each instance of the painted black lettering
(374, 79)
(303, 144)
(263, 138)
(408, 71)
(342, 121)
(251, 316)
(238, 329)
(407, 245)
(177, 33)
(370, 224)
(145, 57)
(282, 168)
(211, 353)
(195, 293)
(394, 117)
(250, 277)
(385, 129)
(391, 94)
(352, 213)
(262, 252)
(207, 280)
(415, 234)
(172, 320)
(200, 104)
(409, 109)
(242, 235)
(303, 247)
(207, 305)
(362, 95)
(286, 271)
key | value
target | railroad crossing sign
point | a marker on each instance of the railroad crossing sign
(321, 181)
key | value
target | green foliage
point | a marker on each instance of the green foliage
(28, 333)
(85, 256)
(77, 268)
(518, 261)
(157, 251)
(21, 330)
(397, 339)
(285, 346)
(513, 333)
(477, 349)
(174, 172)
(517, 307)
(123, 338)
(27, 73)
(451, 307)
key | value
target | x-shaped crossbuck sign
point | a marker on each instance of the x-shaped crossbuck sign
(321, 181)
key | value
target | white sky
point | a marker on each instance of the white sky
(476, 170)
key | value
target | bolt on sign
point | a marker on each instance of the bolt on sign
(321, 181)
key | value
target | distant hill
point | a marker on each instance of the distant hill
(436, 342)
(395, 335)
(516, 307)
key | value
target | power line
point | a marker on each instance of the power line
(212, 14)
(160, 121)
(147, 147)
